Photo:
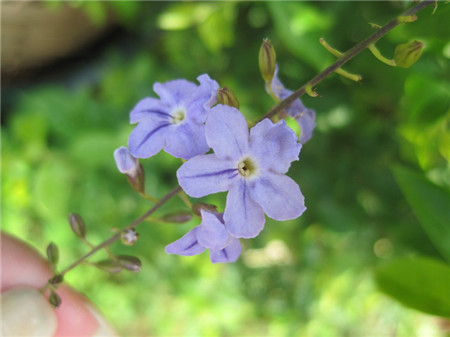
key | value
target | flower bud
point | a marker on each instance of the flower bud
(129, 237)
(52, 255)
(406, 54)
(226, 96)
(177, 217)
(197, 207)
(109, 266)
(267, 60)
(130, 263)
(130, 166)
(56, 280)
(77, 224)
(54, 299)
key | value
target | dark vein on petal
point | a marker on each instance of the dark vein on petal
(191, 245)
(151, 134)
(157, 112)
(211, 174)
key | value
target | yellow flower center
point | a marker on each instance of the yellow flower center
(247, 168)
(178, 115)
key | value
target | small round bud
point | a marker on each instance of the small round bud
(77, 224)
(56, 280)
(52, 255)
(130, 263)
(406, 54)
(129, 237)
(226, 96)
(178, 217)
(267, 60)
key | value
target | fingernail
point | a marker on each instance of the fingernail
(104, 329)
(26, 312)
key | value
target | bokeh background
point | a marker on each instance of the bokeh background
(375, 175)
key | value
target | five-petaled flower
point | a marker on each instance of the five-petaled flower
(305, 117)
(251, 166)
(174, 122)
(211, 234)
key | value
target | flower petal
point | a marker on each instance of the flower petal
(206, 174)
(275, 145)
(279, 196)
(307, 123)
(149, 107)
(186, 140)
(187, 245)
(174, 93)
(204, 98)
(227, 132)
(244, 218)
(125, 162)
(228, 254)
(212, 232)
(148, 137)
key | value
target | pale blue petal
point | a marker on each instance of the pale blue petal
(227, 132)
(187, 245)
(149, 107)
(125, 162)
(228, 254)
(212, 233)
(186, 140)
(279, 196)
(204, 98)
(307, 123)
(206, 174)
(174, 93)
(274, 145)
(244, 218)
(148, 137)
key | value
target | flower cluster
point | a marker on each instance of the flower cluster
(188, 121)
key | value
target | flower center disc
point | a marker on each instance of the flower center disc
(178, 116)
(247, 168)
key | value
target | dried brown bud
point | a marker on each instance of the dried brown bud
(197, 207)
(109, 266)
(56, 280)
(178, 217)
(54, 299)
(226, 96)
(52, 255)
(130, 263)
(77, 224)
(267, 60)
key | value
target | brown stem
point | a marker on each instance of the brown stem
(132, 225)
(344, 59)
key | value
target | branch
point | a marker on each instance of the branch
(347, 56)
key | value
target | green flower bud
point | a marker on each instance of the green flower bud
(52, 255)
(226, 96)
(406, 54)
(56, 280)
(77, 224)
(177, 217)
(267, 60)
(130, 263)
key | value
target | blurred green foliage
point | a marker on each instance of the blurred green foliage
(307, 277)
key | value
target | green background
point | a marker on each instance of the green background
(313, 276)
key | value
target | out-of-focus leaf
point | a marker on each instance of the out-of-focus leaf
(430, 203)
(421, 283)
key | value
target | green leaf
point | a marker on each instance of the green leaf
(420, 283)
(431, 205)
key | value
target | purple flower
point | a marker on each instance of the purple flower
(174, 122)
(250, 166)
(304, 117)
(211, 234)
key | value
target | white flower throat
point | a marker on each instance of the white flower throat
(247, 167)
(178, 115)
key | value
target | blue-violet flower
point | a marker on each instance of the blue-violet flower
(211, 234)
(251, 166)
(305, 117)
(174, 122)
